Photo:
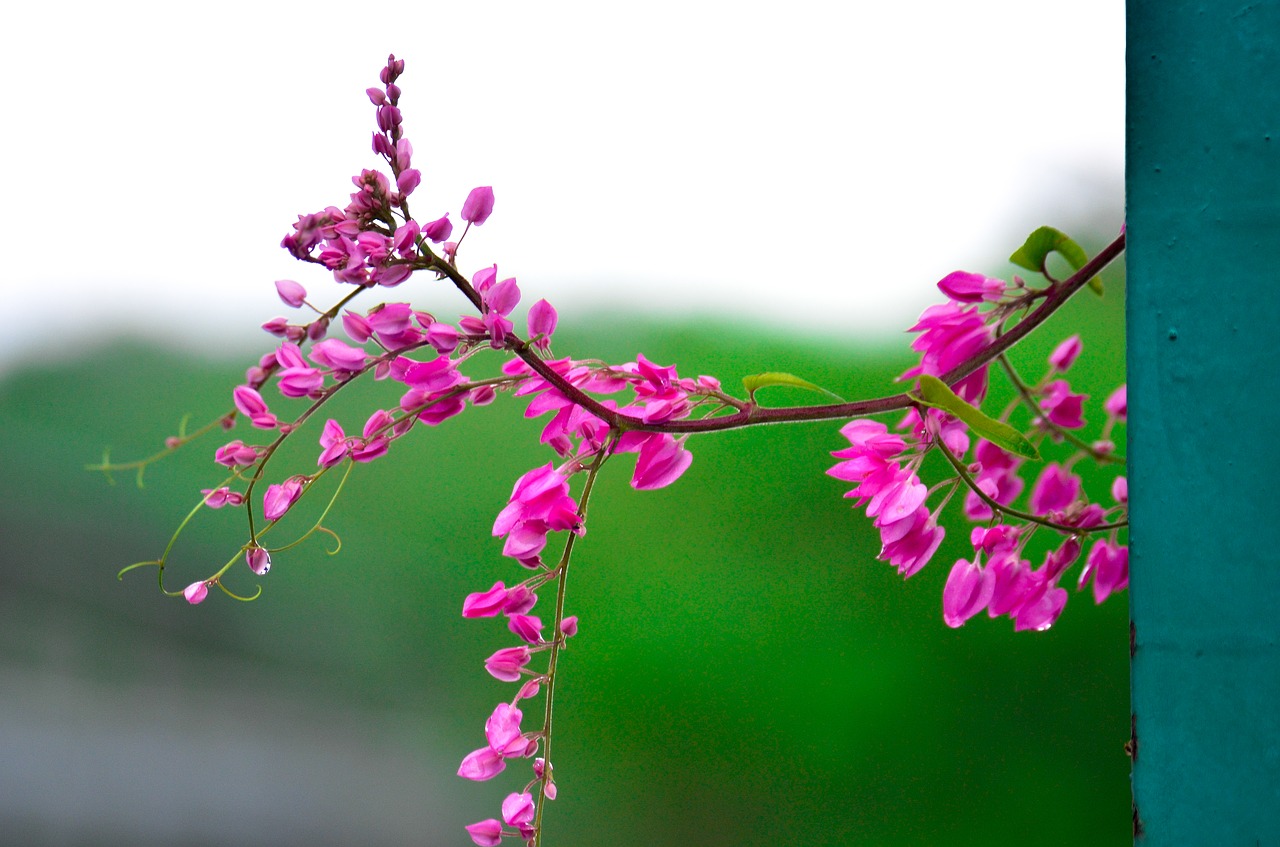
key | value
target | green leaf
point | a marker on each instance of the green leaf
(936, 394)
(755, 382)
(1035, 251)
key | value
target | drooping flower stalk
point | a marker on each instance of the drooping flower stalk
(595, 411)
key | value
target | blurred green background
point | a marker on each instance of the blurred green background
(746, 672)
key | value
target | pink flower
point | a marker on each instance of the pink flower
(196, 592)
(334, 442)
(520, 600)
(965, 287)
(279, 498)
(569, 626)
(498, 302)
(1061, 406)
(542, 323)
(968, 590)
(1055, 490)
(438, 230)
(517, 810)
(899, 499)
(406, 238)
(485, 604)
(662, 461)
(526, 628)
(356, 326)
(1108, 566)
(252, 406)
(373, 449)
(539, 768)
(216, 498)
(300, 382)
(910, 543)
(539, 503)
(339, 357)
(258, 559)
(486, 833)
(291, 292)
(378, 423)
(478, 206)
(235, 453)
(442, 337)
(1041, 609)
(1120, 490)
(503, 732)
(949, 335)
(996, 477)
(279, 327)
(482, 764)
(1057, 561)
(391, 319)
(1064, 355)
(1117, 405)
(506, 664)
(408, 180)
(1014, 583)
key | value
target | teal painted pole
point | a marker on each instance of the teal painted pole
(1203, 262)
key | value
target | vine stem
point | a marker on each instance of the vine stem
(751, 415)
(1030, 401)
(963, 472)
(558, 638)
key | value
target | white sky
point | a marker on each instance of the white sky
(819, 164)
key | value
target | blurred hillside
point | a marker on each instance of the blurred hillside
(746, 672)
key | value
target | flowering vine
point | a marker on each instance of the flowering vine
(595, 411)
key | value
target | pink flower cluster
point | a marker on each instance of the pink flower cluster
(540, 504)
(892, 493)
(659, 395)
(997, 578)
(596, 411)
(504, 737)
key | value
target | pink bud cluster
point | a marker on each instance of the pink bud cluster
(596, 411)
(505, 739)
(658, 395)
(998, 577)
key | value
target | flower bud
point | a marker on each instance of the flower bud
(542, 323)
(478, 206)
(1064, 355)
(965, 287)
(277, 326)
(409, 179)
(196, 592)
(485, 604)
(279, 498)
(439, 230)
(526, 628)
(292, 293)
(486, 833)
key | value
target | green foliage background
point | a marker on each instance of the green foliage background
(746, 672)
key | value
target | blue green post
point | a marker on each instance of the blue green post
(1203, 265)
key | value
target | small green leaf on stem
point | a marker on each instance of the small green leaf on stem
(755, 382)
(1035, 251)
(936, 394)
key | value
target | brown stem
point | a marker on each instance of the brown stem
(752, 415)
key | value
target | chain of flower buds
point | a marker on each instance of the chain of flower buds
(374, 242)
